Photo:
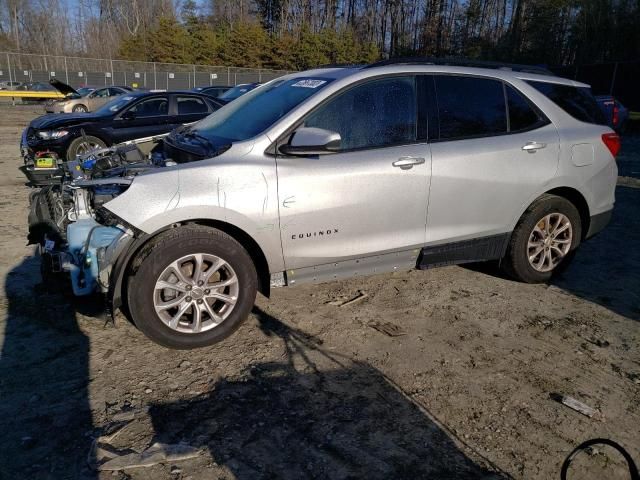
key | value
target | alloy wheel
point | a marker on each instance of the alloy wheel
(549, 242)
(196, 293)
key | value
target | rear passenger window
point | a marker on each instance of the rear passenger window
(188, 105)
(470, 107)
(522, 115)
(371, 115)
(576, 101)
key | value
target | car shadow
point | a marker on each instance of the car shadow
(314, 414)
(45, 418)
(606, 268)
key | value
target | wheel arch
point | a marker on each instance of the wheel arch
(125, 262)
(578, 200)
(250, 244)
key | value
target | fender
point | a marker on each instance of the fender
(116, 278)
(136, 244)
(558, 182)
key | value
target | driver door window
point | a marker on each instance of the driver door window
(102, 93)
(152, 107)
(376, 114)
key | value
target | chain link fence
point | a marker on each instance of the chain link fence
(96, 72)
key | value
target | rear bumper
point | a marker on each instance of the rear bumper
(598, 222)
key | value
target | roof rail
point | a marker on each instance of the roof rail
(342, 65)
(461, 62)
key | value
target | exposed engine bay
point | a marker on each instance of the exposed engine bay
(75, 234)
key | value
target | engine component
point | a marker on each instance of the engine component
(64, 216)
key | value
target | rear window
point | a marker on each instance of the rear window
(576, 101)
(470, 107)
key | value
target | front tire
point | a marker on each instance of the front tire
(194, 287)
(83, 145)
(544, 240)
(79, 109)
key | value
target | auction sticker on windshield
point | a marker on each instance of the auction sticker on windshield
(308, 83)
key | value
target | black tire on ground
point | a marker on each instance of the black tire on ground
(79, 108)
(515, 263)
(171, 246)
(72, 151)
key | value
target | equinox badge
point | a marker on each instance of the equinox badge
(321, 233)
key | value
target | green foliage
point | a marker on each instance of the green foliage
(247, 44)
(169, 42)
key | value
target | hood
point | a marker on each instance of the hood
(62, 87)
(57, 120)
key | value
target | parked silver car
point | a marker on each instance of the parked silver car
(82, 100)
(340, 172)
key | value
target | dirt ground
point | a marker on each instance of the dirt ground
(446, 373)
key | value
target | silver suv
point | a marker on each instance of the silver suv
(340, 172)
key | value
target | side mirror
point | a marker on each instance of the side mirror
(129, 115)
(312, 141)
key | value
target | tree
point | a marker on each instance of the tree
(306, 33)
(246, 45)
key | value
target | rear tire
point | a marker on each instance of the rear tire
(83, 145)
(544, 240)
(197, 312)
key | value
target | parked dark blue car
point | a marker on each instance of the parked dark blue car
(615, 113)
(127, 117)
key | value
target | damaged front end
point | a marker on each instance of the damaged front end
(79, 240)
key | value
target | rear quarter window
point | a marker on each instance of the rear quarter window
(576, 101)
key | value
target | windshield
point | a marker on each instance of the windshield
(236, 92)
(114, 106)
(256, 111)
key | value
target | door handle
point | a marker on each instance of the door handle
(405, 163)
(531, 147)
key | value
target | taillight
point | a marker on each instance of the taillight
(612, 142)
(616, 118)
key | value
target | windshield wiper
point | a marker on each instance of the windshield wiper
(188, 133)
(211, 147)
